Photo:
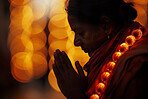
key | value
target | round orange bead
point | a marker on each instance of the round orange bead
(130, 40)
(105, 76)
(100, 88)
(116, 56)
(94, 96)
(123, 47)
(137, 34)
(110, 66)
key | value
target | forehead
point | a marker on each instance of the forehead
(79, 22)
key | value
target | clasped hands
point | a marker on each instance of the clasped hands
(71, 83)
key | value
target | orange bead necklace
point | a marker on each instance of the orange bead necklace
(121, 49)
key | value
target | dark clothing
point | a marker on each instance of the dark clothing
(130, 75)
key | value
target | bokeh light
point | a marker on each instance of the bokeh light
(52, 80)
(27, 39)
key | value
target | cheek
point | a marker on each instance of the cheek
(89, 40)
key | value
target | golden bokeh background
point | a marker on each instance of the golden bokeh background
(32, 46)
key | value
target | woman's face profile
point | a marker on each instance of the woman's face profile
(88, 36)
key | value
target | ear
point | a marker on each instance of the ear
(106, 24)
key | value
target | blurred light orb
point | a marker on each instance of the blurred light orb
(123, 47)
(16, 45)
(52, 80)
(105, 76)
(27, 17)
(76, 54)
(18, 2)
(38, 26)
(110, 66)
(94, 96)
(137, 34)
(51, 61)
(21, 75)
(60, 20)
(40, 66)
(130, 40)
(60, 33)
(100, 88)
(38, 8)
(116, 56)
(21, 67)
(38, 40)
(59, 44)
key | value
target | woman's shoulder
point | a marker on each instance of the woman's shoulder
(137, 62)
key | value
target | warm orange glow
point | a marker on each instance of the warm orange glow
(21, 66)
(38, 40)
(13, 33)
(137, 1)
(43, 51)
(142, 14)
(27, 17)
(94, 96)
(20, 59)
(56, 7)
(16, 18)
(77, 54)
(38, 8)
(18, 2)
(105, 76)
(38, 26)
(137, 34)
(123, 47)
(110, 66)
(21, 75)
(27, 40)
(52, 80)
(60, 20)
(51, 61)
(16, 45)
(100, 88)
(39, 65)
(116, 56)
(130, 40)
(59, 44)
(141, 1)
(60, 33)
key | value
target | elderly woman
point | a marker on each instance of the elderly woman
(118, 50)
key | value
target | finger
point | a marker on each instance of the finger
(58, 61)
(62, 61)
(67, 61)
(80, 70)
(56, 71)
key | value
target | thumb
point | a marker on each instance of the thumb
(79, 68)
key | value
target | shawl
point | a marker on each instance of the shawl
(103, 55)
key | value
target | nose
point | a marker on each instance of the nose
(77, 41)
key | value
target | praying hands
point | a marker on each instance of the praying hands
(71, 83)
